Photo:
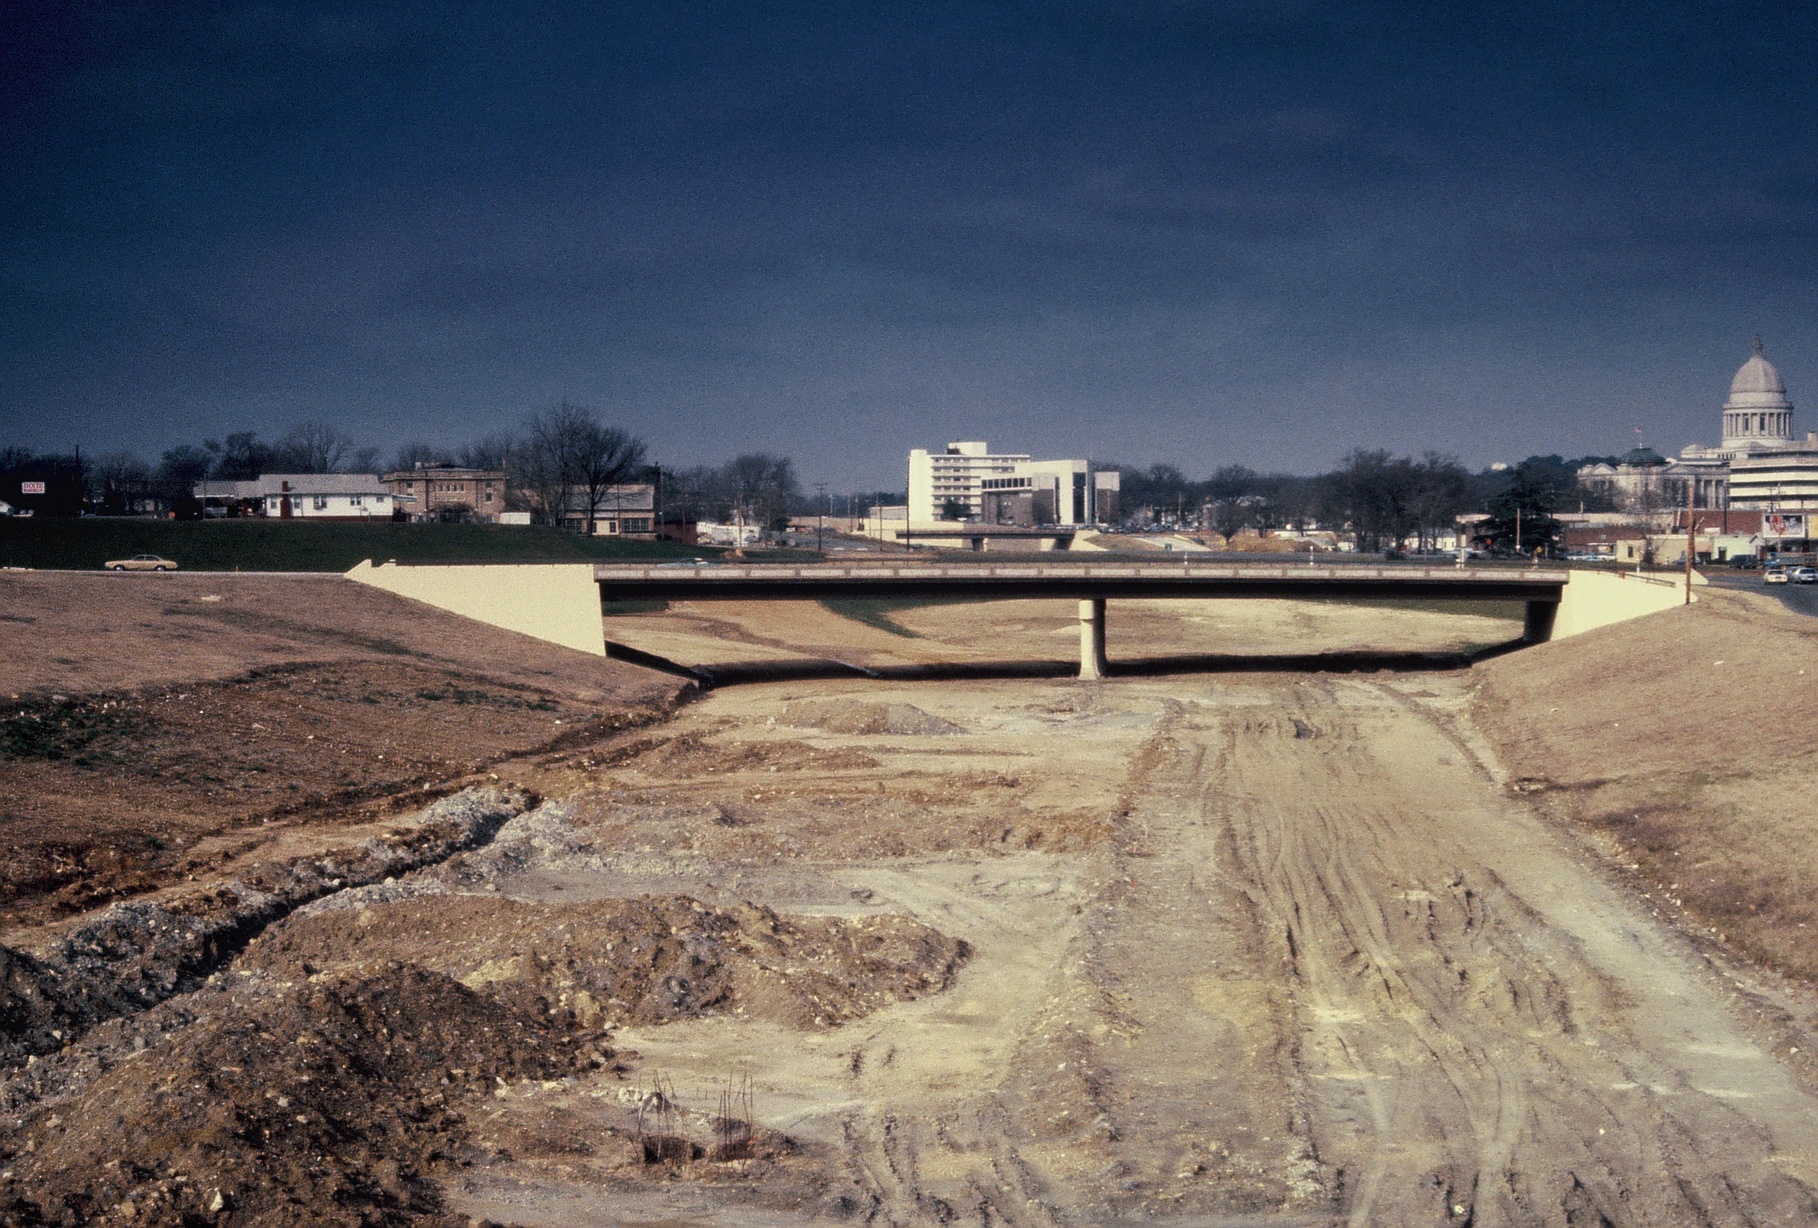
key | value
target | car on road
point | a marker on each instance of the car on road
(1774, 575)
(1803, 575)
(141, 562)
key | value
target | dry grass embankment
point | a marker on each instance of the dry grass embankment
(1691, 737)
(159, 728)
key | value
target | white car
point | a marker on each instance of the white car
(1774, 575)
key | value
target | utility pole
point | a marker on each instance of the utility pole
(821, 520)
(1691, 542)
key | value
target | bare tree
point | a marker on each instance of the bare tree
(242, 457)
(535, 476)
(417, 452)
(762, 485)
(604, 457)
(487, 452)
(317, 447)
(567, 450)
(549, 460)
(1442, 489)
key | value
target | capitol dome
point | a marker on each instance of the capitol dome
(1758, 410)
(1758, 378)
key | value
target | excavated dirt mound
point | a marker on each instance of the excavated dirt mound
(104, 796)
(134, 955)
(644, 961)
(326, 1104)
(151, 733)
(854, 717)
(1686, 737)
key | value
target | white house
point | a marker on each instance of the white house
(627, 510)
(305, 496)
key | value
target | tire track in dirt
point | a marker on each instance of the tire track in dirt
(1490, 1036)
(953, 1156)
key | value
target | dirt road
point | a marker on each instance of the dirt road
(1322, 970)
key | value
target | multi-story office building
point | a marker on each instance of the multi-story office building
(953, 481)
(968, 482)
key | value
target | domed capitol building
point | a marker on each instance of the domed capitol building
(1757, 466)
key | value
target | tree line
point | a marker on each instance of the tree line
(1386, 501)
(565, 457)
(114, 482)
(559, 462)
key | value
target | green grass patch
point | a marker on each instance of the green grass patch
(279, 545)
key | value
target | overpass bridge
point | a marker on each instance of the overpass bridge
(1090, 583)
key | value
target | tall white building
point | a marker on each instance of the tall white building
(937, 479)
(1007, 488)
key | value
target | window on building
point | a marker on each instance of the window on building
(321, 503)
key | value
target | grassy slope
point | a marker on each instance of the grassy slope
(1688, 737)
(278, 545)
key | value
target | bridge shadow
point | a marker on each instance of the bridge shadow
(737, 673)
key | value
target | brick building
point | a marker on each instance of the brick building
(448, 492)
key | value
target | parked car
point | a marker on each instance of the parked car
(1774, 575)
(1804, 575)
(141, 562)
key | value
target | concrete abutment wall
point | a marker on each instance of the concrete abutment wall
(555, 602)
(1599, 598)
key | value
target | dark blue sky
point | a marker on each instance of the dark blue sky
(1195, 232)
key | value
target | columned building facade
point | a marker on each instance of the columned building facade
(1757, 414)
(1758, 464)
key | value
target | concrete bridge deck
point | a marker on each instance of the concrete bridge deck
(1090, 583)
(986, 581)
(560, 602)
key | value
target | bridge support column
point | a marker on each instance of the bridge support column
(1092, 638)
(1537, 623)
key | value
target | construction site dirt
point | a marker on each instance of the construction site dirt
(471, 929)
